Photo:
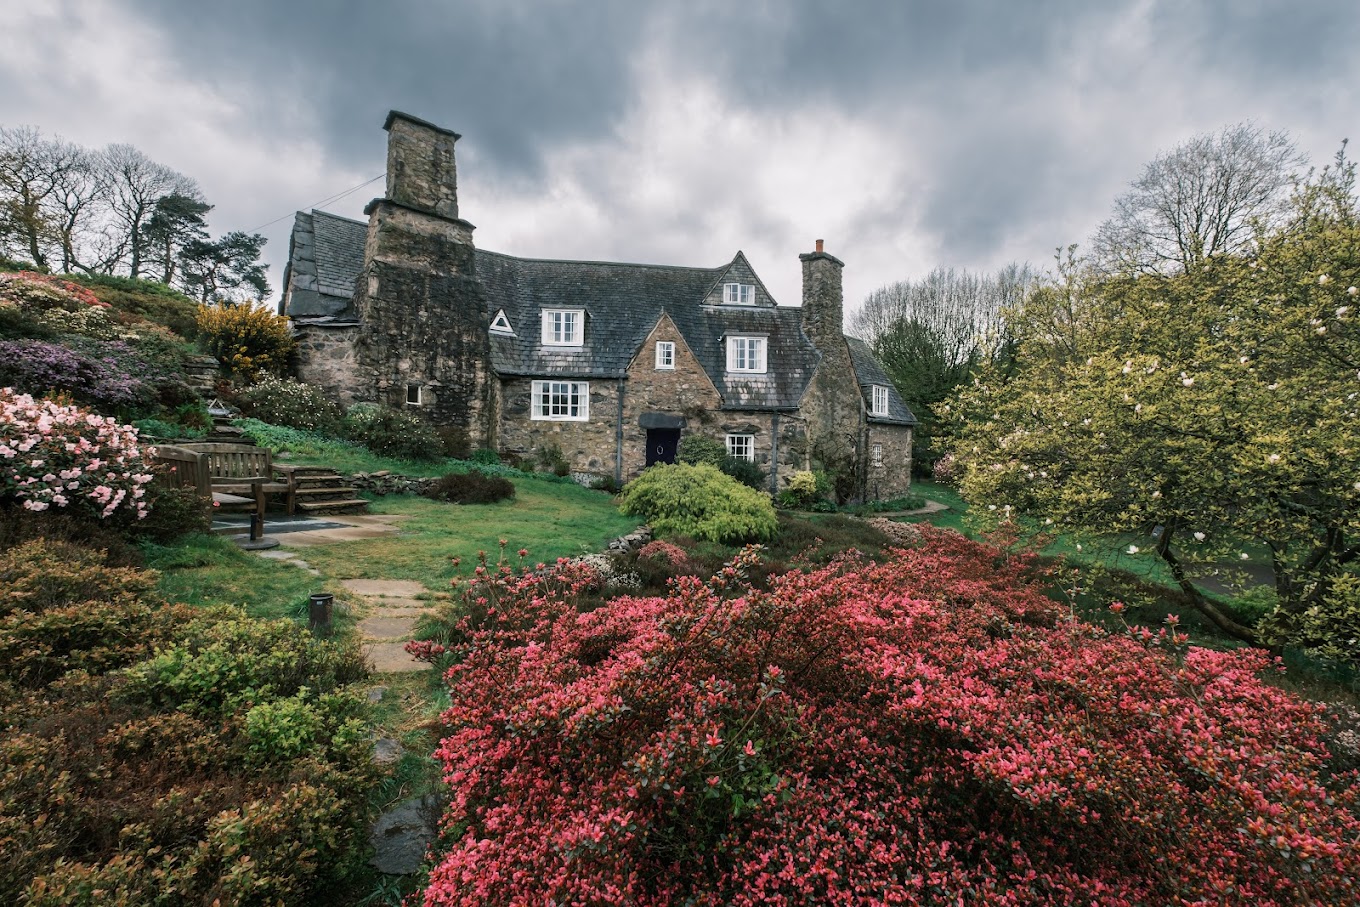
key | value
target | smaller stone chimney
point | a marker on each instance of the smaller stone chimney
(421, 172)
(823, 298)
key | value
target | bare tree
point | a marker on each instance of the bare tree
(930, 334)
(1203, 198)
(31, 168)
(136, 183)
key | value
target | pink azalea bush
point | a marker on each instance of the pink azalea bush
(926, 731)
(56, 456)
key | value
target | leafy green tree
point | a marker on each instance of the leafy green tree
(176, 221)
(1209, 410)
(222, 268)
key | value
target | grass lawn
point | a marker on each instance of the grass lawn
(550, 520)
(211, 570)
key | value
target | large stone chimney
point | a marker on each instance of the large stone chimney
(823, 299)
(421, 172)
(832, 404)
(423, 342)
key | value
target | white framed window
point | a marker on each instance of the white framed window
(561, 401)
(877, 460)
(739, 293)
(741, 447)
(665, 354)
(746, 354)
(563, 327)
(414, 396)
(880, 401)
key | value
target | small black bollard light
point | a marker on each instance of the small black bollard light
(319, 612)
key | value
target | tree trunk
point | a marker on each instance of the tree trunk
(1201, 604)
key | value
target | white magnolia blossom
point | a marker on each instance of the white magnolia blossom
(1351, 291)
(1243, 556)
(1273, 458)
(1342, 311)
(1199, 536)
(1132, 549)
(1323, 280)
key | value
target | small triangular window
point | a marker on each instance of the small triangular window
(501, 325)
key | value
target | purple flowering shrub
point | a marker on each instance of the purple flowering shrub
(57, 456)
(108, 376)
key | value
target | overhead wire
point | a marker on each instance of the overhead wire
(324, 201)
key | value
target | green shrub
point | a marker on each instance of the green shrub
(391, 433)
(284, 401)
(551, 458)
(485, 456)
(173, 514)
(697, 449)
(747, 473)
(700, 501)
(471, 488)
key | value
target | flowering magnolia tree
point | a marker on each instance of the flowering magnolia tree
(925, 731)
(1217, 406)
(58, 456)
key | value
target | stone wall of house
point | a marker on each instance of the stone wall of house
(685, 392)
(327, 358)
(832, 406)
(891, 479)
(589, 447)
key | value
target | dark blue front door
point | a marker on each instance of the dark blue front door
(662, 444)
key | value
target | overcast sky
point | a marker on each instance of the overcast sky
(908, 135)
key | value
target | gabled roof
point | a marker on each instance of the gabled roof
(869, 372)
(623, 302)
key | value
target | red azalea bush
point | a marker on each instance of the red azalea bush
(925, 731)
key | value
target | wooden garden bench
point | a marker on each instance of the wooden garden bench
(239, 475)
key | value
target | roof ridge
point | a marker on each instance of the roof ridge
(584, 261)
(315, 211)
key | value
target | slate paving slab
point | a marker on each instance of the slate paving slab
(385, 627)
(384, 588)
(392, 658)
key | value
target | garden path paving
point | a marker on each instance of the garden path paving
(393, 610)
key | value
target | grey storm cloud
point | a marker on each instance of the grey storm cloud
(992, 129)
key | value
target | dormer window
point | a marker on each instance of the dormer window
(879, 405)
(746, 354)
(563, 327)
(739, 293)
(501, 325)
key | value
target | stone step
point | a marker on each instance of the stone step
(332, 489)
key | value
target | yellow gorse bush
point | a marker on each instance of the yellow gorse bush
(248, 341)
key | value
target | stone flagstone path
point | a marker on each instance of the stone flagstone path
(393, 610)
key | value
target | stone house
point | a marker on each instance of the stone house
(610, 363)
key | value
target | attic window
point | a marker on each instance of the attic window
(665, 355)
(880, 401)
(739, 293)
(501, 325)
(563, 327)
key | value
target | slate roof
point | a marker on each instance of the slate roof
(870, 372)
(325, 256)
(622, 302)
